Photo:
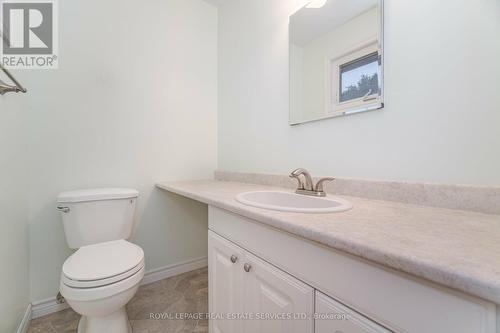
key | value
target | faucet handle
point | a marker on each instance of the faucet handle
(319, 184)
(300, 186)
(305, 183)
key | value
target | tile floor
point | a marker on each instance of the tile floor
(185, 293)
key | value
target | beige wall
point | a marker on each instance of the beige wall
(441, 119)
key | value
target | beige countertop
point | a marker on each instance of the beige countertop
(457, 249)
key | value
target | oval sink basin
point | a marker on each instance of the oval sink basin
(292, 202)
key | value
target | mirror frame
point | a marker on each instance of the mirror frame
(345, 112)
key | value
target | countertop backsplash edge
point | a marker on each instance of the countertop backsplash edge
(480, 199)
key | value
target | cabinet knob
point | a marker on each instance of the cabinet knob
(247, 267)
(234, 258)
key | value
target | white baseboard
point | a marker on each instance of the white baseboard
(175, 269)
(47, 306)
(50, 305)
(25, 322)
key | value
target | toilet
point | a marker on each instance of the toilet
(104, 273)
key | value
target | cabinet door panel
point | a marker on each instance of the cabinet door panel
(224, 279)
(274, 298)
(334, 317)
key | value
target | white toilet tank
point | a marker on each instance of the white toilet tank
(97, 215)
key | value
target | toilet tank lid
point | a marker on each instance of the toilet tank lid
(97, 194)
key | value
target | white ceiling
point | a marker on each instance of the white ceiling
(309, 23)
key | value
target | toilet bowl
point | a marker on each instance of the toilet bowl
(97, 282)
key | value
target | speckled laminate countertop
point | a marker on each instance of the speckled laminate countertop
(458, 249)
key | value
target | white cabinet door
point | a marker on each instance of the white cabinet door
(333, 317)
(224, 278)
(275, 299)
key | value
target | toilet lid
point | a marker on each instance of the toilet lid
(103, 261)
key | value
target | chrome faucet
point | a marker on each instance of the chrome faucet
(308, 184)
(305, 185)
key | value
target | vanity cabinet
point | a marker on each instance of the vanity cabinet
(271, 292)
(225, 283)
(337, 318)
(241, 284)
(287, 273)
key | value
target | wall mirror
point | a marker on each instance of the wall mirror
(336, 59)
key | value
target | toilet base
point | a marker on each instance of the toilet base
(117, 322)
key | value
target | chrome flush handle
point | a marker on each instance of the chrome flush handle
(63, 209)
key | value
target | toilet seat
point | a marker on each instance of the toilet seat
(102, 270)
(102, 264)
(99, 293)
(101, 282)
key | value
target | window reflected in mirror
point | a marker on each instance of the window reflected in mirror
(335, 59)
(359, 78)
